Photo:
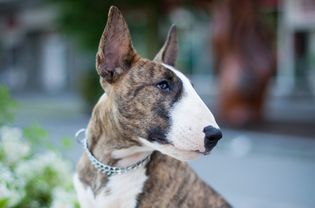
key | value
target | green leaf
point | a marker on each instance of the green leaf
(37, 136)
(35, 133)
(66, 143)
(4, 203)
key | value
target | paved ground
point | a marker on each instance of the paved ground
(262, 170)
(250, 168)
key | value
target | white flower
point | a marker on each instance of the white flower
(12, 145)
(22, 173)
(37, 166)
(63, 198)
(11, 187)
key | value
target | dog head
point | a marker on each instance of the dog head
(151, 101)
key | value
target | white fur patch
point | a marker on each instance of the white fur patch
(103, 97)
(85, 195)
(189, 116)
(131, 155)
(170, 150)
(121, 191)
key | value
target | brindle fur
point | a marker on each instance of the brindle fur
(137, 110)
(177, 186)
(134, 107)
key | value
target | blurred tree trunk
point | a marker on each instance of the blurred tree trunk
(244, 59)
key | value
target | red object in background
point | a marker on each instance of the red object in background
(11, 22)
(270, 3)
(244, 60)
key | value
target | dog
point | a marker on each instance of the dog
(143, 129)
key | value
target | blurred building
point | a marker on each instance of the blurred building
(296, 47)
(35, 56)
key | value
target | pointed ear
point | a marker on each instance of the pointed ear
(115, 53)
(168, 52)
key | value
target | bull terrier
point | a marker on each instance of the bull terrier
(143, 129)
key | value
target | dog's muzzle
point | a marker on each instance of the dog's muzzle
(212, 136)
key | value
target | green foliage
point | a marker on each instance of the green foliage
(84, 20)
(37, 136)
(30, 178)
(7, 106)
(66, 143)
(4, 203)
(35, 133)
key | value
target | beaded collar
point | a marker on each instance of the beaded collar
(103, 168)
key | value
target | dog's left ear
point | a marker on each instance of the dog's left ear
(168, 52)
(115, 52)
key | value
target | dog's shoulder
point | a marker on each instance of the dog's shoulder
(173, 183)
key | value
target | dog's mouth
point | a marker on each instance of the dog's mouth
(162, 140)
(205, 153)
(174, 151)
(210, 147)
(157, 135)
(159, 139)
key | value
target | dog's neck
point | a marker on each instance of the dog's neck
(106, 142)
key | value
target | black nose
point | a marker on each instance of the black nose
(212, 136)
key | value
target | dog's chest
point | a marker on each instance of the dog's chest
(121, 191)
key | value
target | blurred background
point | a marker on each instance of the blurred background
(252, 62)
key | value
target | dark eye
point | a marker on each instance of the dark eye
(163, 85)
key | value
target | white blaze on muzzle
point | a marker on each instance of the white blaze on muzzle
(189, 116)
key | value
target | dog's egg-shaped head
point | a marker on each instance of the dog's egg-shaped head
(152, 102)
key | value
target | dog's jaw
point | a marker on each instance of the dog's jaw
(171, 150)
(131, 155)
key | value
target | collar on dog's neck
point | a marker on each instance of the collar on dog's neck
(106, 169)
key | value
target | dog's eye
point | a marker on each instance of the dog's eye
(163, 85)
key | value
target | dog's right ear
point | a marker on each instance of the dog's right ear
(115, 52)
(168, 52)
